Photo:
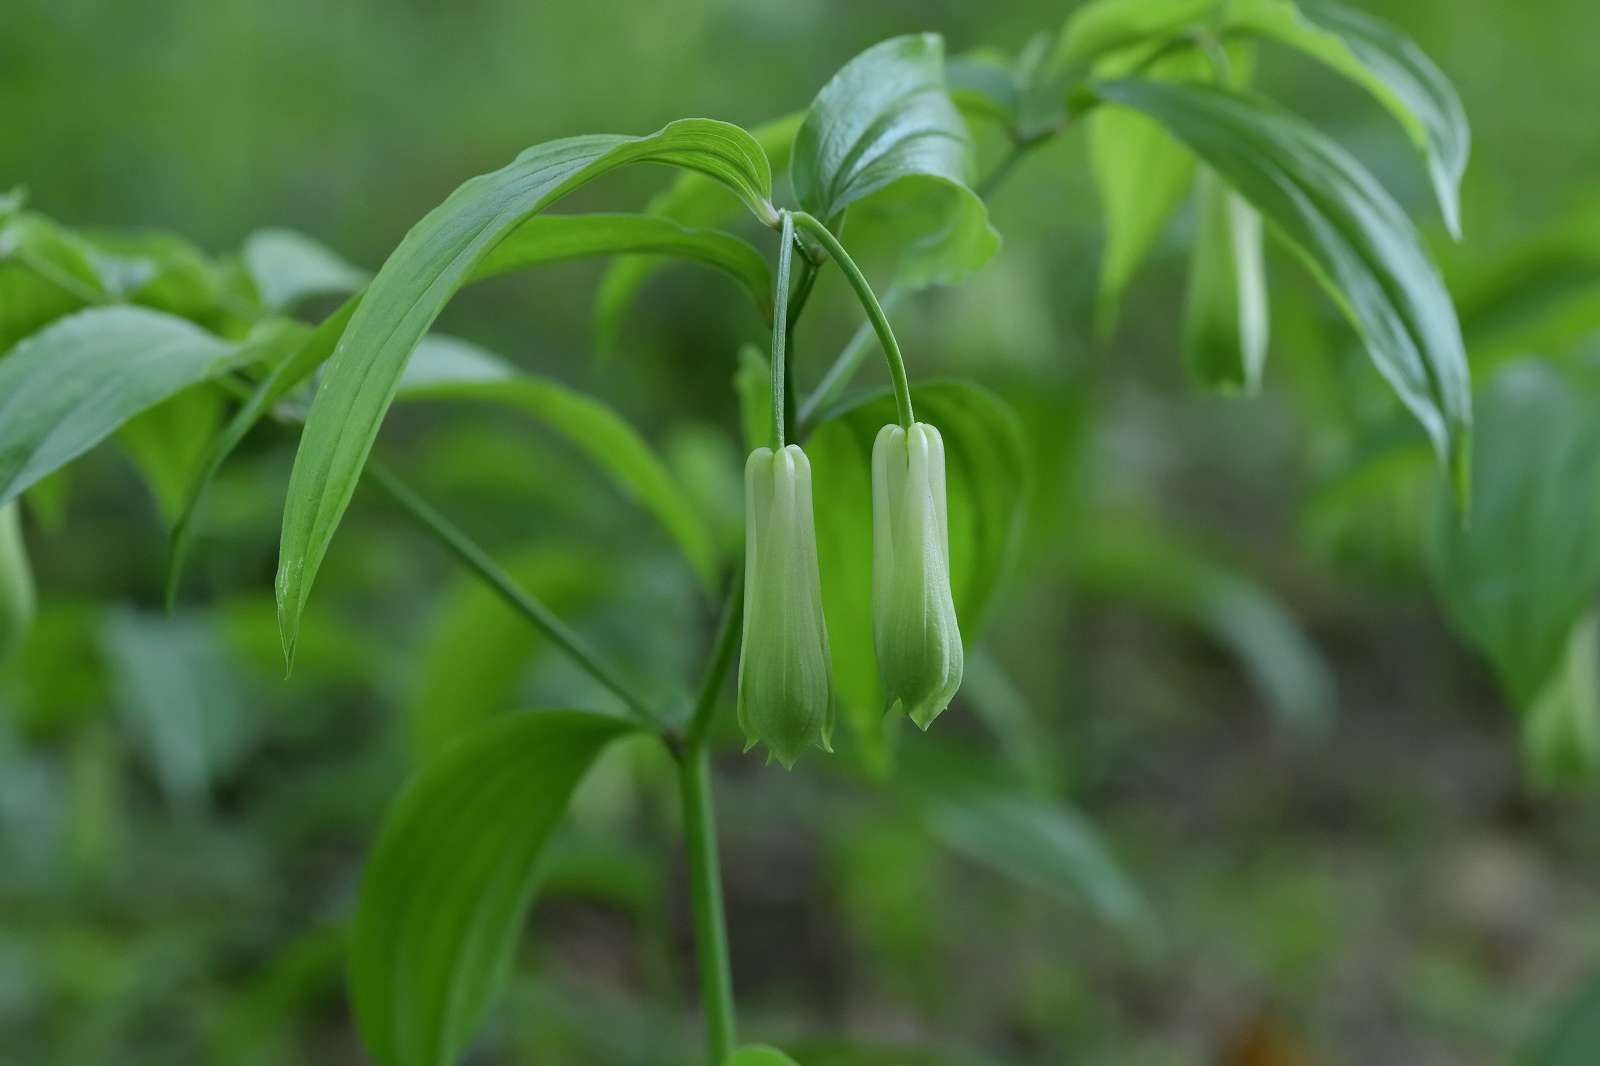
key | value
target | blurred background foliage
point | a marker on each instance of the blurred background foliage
(1228, 782)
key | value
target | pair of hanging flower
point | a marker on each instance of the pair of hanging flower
(785, 669)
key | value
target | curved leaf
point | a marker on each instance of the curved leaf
(451, 877)
(691, 200)
(987, 476)
(288, 267)
(886, 121)
(1356, 239)
(551, 238)
(1390, 66)
(1225, 309)
(445, 368)
(45, 272)
(758, 1055)
(67, 387)
(435, 259)
(1101, 27)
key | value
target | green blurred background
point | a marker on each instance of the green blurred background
(1329, 851)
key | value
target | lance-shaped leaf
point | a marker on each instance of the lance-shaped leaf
(450, 880)
(67, 387)
(1389, 65)
(436, 258)
(1101, 27)
(445, 368)
(1356, 239)
(886, 122)
(288, 267)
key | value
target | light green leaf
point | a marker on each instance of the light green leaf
(758, 1055)
(435, 259)
(1356, 239)
(987, 475)
(288, 267)
(67, 387)
(477, 648)
(693, 201)
(445, 368)
(450, 879)
(552, 238)
(1561, 733)
(16, 580)
(1390, 66)
(1102, 27)
(163, 271)
(1225, 310)
(45, 272)
(168, 441)
(1142, 175)
(884, 133)
(753, 384)
(1520, 575)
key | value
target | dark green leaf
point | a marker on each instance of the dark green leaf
(288, 267)
(444, 368)
(444, 894)
(1356, 239)
(1389, 65)
(1522, 573)
(67, 387)
(987, 475)
(436, 258)
(1225, 308)
(1573, 1035)
(886, 125)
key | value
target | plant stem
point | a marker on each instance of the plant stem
(869, 303)
(722, 649)
(710, 922)
(780, 327)
(524, 603)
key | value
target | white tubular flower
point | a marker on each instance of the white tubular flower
(913, 614)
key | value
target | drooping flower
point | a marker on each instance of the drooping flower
(785, 674)
(913, 613)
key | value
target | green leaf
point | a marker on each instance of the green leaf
(168, 442)
(67, 387)
(434, 260)
(1561, 733)
(753, 384)
(1040, 843)
(1126, 557)
(445, 368)
(1572, 1037)
(477, 649)
(1225, 310)
(693, 201)
(758, 1055)
(552, 238)
(1142, 175)
(1356, 239)
(1390, 66)
(1102, 27)
(884, 133)
(163, 271)
(16, 580)
(444, 895)
(45, 272)
(288, 267)
(1521, 573)
(987, 474)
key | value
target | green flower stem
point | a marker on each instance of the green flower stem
(710, 923)
(869, 302)
(780, 326)
(524, 603)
